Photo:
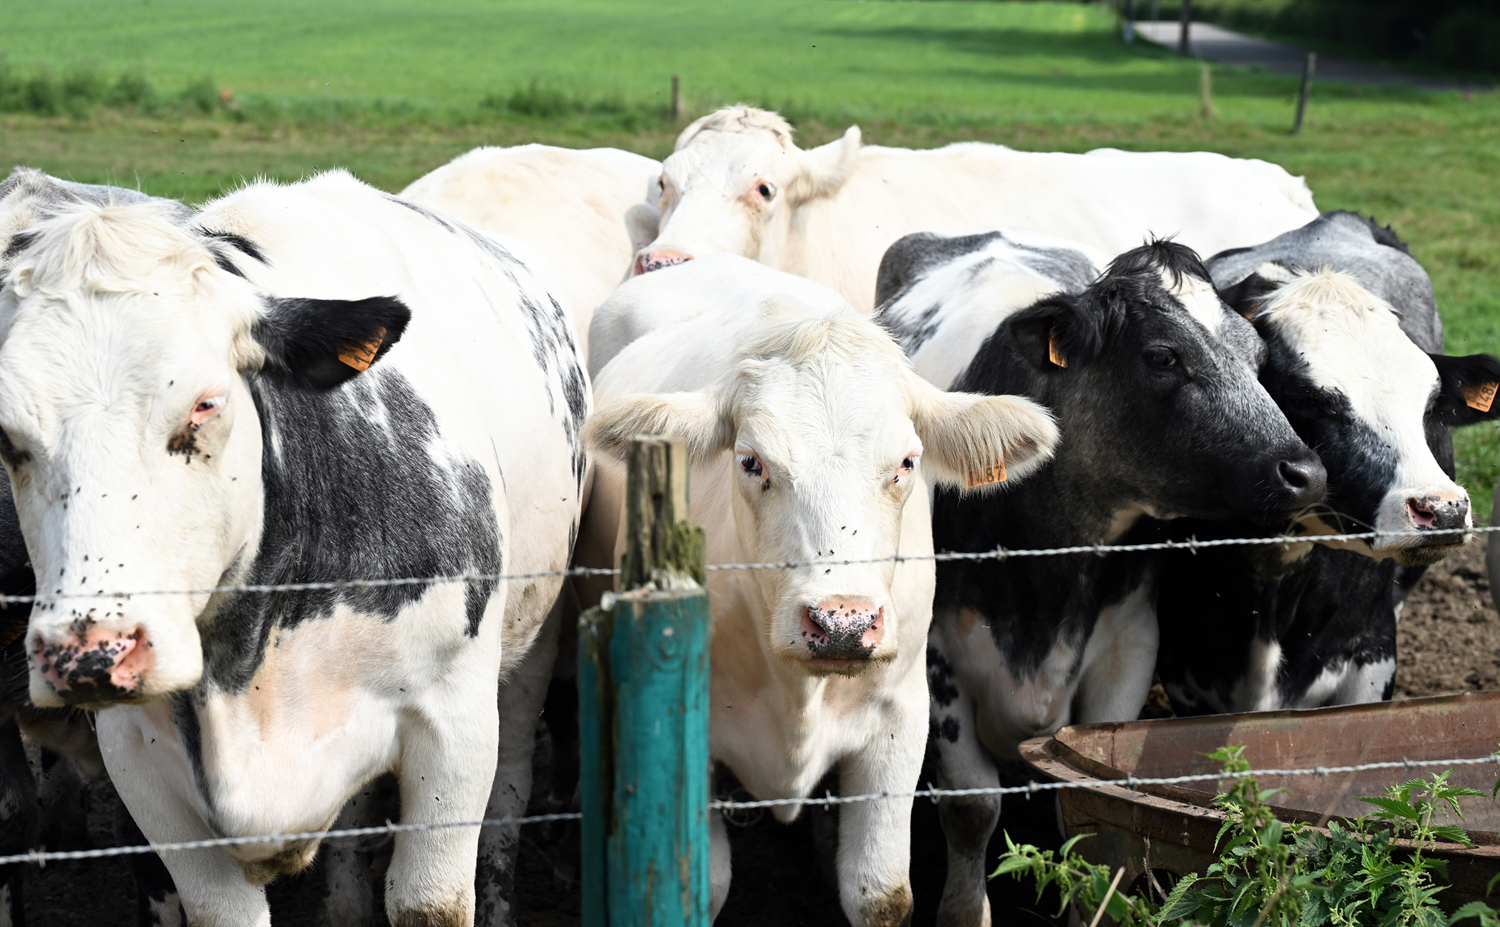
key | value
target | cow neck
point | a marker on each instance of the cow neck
(1032, 603)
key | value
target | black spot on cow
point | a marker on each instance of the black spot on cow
(940, 679)
(914, 256)
(356, 485)
(948, 729)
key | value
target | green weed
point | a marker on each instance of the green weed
(1279, 875)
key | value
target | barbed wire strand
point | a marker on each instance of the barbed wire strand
(43, 856)
(1000, 553)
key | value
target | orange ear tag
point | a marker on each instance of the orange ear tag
(1053, 354)
(984, 476)
(361, 356)
(1481, 397)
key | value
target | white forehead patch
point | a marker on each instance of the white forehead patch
(1199, 298)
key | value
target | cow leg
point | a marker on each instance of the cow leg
(446, 771)
(520, 704)
(874, 858)
(718, 858)
(1119, 660)
(210, 883)
(64, 800)
(970, 820)
(18, 821)
(156, 901)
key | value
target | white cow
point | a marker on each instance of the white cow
(737, 183)
(584, 210)
(297, 384)
(812, 441)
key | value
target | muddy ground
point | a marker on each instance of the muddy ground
(1449, 642)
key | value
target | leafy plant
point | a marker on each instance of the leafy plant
(1287, 875)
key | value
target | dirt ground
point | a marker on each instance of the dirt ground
(1449, 642)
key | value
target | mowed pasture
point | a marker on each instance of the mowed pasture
(392, 89)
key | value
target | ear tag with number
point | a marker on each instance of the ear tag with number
(361, 356)
(1053, 353)
(1480, 397)
(984, 476)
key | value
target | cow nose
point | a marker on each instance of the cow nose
(98, 667)
(1302, 481)
(656, 260)
(842, 629)
(1436, 513)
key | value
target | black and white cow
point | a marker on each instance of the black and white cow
(296, 384)
(1355, 361)
(1153, 383)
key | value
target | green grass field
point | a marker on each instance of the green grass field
(393, 89)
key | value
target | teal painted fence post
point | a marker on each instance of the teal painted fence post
(643, 711)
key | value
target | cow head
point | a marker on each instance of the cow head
(1357, 389)
(132, 440)
(1155, 383)
(811, 451)
(733, 184)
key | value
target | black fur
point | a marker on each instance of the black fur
(1450, 407)
(1322, 610)
(348, 496)
(304, 337)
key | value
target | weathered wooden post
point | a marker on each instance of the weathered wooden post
(643, 711)
(1185, 25)
(676, 99)
(1308, 68)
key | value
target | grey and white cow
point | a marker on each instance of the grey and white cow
(1355, 361)
(1153, 383)
(298, 384)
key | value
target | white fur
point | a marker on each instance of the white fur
(112, 324)
(583, 209)
(837, 208)
(831, 407)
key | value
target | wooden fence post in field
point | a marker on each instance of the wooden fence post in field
(1307, 79)
(1206, 90)
(1185, 25)
(676, 100)
(643, 711)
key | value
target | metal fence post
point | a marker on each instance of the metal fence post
(643, 711)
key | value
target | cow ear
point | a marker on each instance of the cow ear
(825, 168)
(975, 442)
(1046, 334)
(317, 344)
(1246, 296)
(1467, 388)
(693, 416)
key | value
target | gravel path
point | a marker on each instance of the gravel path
(1215, 43)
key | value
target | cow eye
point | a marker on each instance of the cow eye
(1161, 358)
(766, 190)
(908, 464)
(751, 465)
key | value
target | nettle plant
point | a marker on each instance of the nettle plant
(1272, 874)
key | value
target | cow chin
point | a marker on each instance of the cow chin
(1408, 515)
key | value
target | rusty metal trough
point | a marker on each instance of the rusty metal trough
(1172, 827)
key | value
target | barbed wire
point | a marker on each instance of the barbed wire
(1192, 545)
(43, 856)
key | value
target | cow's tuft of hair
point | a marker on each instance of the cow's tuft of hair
(1326, 296)
(739, 118)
